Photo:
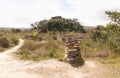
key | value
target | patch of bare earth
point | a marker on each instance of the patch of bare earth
(13, 68)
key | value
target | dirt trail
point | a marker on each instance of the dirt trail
(12, 68)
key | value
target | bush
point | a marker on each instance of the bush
(58, 24)
(16, 30)
(35, 35)
(15, 40)
(5, 42)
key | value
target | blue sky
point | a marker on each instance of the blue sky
(64, 6)
(21, 13)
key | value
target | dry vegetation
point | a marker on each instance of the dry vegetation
(101, 44)
(41, 50)
(7, 39)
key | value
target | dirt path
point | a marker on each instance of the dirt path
(12, 68)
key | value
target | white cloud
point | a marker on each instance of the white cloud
(21, 13)
(91, 12)
(13, 15)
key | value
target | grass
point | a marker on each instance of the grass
(110, 60)
(91, 48)
(37, 50)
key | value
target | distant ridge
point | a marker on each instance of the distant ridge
(89, 27)
(6, 28)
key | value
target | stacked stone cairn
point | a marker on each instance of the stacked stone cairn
(72, 50)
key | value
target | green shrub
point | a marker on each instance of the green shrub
(5, 42)
(16, 30)
(35, 35)
(15, 40)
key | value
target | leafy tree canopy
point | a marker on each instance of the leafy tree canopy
(114, 16)
(58, 24)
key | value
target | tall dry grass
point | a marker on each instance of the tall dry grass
(37, 50)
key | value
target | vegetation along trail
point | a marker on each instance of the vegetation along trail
(13, 68)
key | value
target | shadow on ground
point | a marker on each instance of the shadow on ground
(75, 63)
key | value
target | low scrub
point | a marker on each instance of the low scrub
(92, 48)
(5, 42)
(38, 50)
(15, 39)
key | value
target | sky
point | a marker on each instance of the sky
(21, 13)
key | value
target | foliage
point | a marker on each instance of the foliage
(99, 35)
(15, 39)
(58, 24)
(103, 40)
(34, 35)
(109, 37)
(100, 27)
(16, 30)
(114, 16)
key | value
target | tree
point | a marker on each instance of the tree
(114, 16)
(58, 24)
(100, 27)
(34, 26)
(114, 31)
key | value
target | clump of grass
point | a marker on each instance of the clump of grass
(112, 59)
(36, 50)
